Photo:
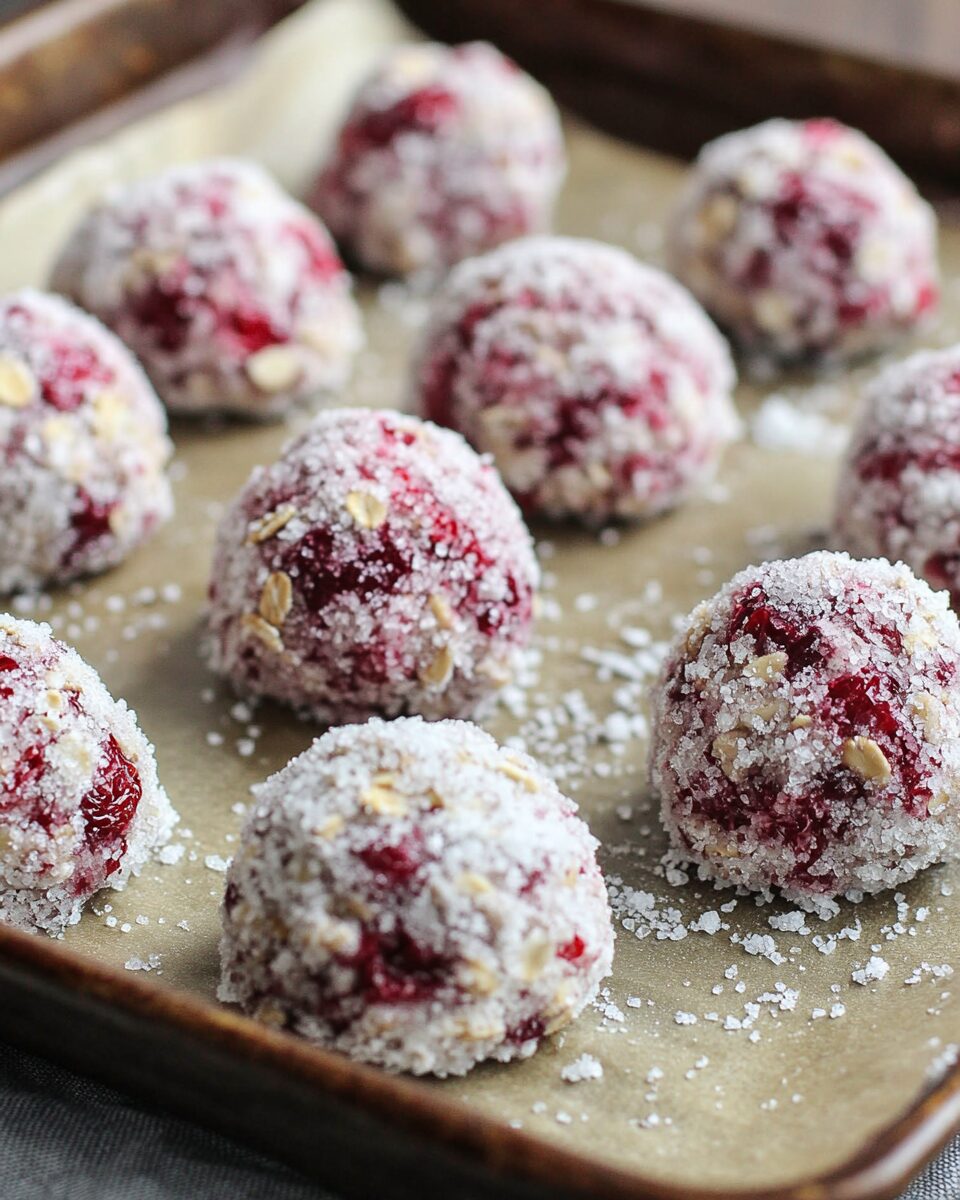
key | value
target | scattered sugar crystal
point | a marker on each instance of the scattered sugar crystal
(874, 970)
(762, 944)
(708, 922)
(582, 1068)
(789, 922)
(151, 963)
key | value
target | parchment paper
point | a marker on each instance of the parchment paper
(786, 1096)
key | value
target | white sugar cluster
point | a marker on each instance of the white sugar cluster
(644, 915)
(737, 721)
(605, 395)
(101, 449)
(899, 491)
(445, 152)
(228, 291)
(804, 240)
(581, 1069)
(425, 841)
(56, 719)
(873, 970)
(437, 570)
(780, 424)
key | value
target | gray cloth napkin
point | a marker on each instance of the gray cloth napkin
(65, 1138)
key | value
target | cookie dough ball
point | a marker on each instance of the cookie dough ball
(84, 446)
(229, 292)
(805, 242)
(378, 567)
(416, 897)
(807, 729)
(598, 384)
(445, 152)
(899, 491)
(80, 804)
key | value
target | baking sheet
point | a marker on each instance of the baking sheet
(764, 1093)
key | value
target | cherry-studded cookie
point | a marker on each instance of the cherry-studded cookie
(598, 384)
(84, 446)
(378, 566)
(230, 293)
(807, 728)
(899, 489)
(417, 897)
(445, 152)
(805, 242)
(80, 804)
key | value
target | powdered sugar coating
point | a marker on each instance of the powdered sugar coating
(445, 152)
(598, 384)
(416, 897)
(229, 292)
(805, 242)
(80, 803)
(807, 728)
(899, 490)
(84, 446)
(378, 566)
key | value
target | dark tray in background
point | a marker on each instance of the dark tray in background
(650, 73)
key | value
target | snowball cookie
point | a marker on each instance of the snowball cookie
(805, 242)
(807, 728)
(899, 491)
(598, 384)
(80, 804)
(416, 897)
(378, 567)
(230, 293)
(445, 152)
(84, 446)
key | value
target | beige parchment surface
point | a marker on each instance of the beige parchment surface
(780, 1099)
